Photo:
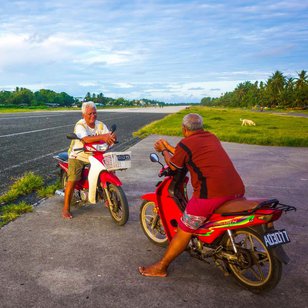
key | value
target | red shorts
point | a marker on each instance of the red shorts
(199, 210)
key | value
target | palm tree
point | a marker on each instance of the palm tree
(275, 85)
(301, 85)
(302, 80)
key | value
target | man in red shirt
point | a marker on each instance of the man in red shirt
(214, 181)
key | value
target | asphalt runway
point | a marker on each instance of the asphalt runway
(29, 140)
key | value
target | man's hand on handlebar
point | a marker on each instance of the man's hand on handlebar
(111, 138)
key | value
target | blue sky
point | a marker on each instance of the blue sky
(173, 51)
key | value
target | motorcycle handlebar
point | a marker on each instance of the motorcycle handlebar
(164, 172)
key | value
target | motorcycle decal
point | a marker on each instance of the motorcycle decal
(233, 222)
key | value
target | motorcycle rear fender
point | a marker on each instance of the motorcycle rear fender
(150, 197)
(107, 177)
(280, 254)
(63, 166)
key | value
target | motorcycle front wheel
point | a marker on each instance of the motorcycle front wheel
(119, 205)
(152, 225)
(256, 268)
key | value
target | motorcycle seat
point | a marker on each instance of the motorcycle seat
(63, 156)
(239, 205)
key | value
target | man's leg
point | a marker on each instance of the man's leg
(69, 189)
(177, 245)
(75, 167)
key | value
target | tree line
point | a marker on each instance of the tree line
(101, 100)
(22, 97)
(278, 91)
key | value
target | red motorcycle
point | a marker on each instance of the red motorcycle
(99, 180)
(239, 237)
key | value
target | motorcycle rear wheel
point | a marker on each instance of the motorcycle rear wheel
(75, 197)
(258, 269)
(119, 206)
(152, 225)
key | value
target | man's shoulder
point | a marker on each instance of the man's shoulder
(81, 122)
(202, 137)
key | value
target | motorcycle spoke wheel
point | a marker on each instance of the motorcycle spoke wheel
(151, 224)
(256, 268)
(76, 196)
(119, 205)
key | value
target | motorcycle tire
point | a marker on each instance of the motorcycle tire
(152, 225)
(119, 207)
(258, 270)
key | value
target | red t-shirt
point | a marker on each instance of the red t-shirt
(212, 172)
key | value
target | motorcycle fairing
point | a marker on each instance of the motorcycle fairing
(95, 170)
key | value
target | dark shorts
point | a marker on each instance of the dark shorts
(198, 211)
(74, 171)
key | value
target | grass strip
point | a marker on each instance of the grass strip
(23, 186)
(270, 129)
(11, 211)
(49, 191)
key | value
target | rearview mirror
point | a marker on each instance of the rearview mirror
(71, 136)
(154, 158)
(113, 128)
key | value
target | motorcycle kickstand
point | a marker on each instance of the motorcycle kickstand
(219, 265)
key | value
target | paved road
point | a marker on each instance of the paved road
(90, 262)
(29, 140)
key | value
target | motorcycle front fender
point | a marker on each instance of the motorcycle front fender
(150, 197)
(107, 177)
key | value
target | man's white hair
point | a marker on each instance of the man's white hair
(86, 105)
(193, 121)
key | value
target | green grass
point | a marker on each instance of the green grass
(23, 186)
(270, 129)
(48, 191)
(11, 211)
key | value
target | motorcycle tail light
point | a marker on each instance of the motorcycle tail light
(266, 217)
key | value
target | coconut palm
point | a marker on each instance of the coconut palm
(302, 80)
(275, 86)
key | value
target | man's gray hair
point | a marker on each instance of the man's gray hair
(193, 121)
(86, 105)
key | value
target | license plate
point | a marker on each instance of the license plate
(276, 238)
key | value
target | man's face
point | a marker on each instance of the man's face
(90, 116)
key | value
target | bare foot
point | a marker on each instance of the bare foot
(154, 270)
(67, 215)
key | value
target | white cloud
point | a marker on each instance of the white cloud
(124, 85)
(175, 50)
